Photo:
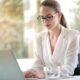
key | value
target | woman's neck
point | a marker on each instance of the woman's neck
(55, 32)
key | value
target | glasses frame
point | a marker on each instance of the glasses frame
(49, 17)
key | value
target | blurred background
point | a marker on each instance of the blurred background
(19, 26)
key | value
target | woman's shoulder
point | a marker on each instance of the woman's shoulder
(41, 33)
(74, 33)
(71, 32)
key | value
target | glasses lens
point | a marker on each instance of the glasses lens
(48, 18)
(39, 18)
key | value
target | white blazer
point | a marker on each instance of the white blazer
(64, 58)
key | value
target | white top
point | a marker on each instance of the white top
(64, 55)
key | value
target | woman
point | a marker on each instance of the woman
(57, 47)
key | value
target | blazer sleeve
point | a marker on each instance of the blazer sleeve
(39, 62)
(71, 57)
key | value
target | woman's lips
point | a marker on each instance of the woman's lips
(48, 25)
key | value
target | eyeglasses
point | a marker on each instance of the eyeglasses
(48, 17)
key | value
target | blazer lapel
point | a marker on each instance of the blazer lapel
(60, 48)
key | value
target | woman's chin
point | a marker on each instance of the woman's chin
(48, 27)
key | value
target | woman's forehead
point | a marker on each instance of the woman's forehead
(46, 10)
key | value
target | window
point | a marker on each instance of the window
(11, 26)
(18, 24)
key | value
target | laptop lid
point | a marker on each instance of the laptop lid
(9, 69)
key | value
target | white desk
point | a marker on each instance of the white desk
(25, 64)
(70, 78)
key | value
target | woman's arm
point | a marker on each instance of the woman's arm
(38, 56)
(71, 58)
(37, 68)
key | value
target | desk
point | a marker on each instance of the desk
(25, 64)
(69, 78)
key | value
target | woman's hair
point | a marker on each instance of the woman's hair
(56, 6)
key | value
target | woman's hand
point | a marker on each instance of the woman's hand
(34, 73)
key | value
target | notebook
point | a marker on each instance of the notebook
(9, 69)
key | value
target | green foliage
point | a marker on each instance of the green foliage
(11, 24)
(38, 24)
(76, 10)
(12, 9)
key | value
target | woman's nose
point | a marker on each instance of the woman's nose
(45, 21)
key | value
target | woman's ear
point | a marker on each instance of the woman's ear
(59, 16)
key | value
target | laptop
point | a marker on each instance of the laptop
(9, 69)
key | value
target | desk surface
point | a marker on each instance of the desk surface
(69, 78)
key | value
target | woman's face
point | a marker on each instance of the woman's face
(49, 18)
